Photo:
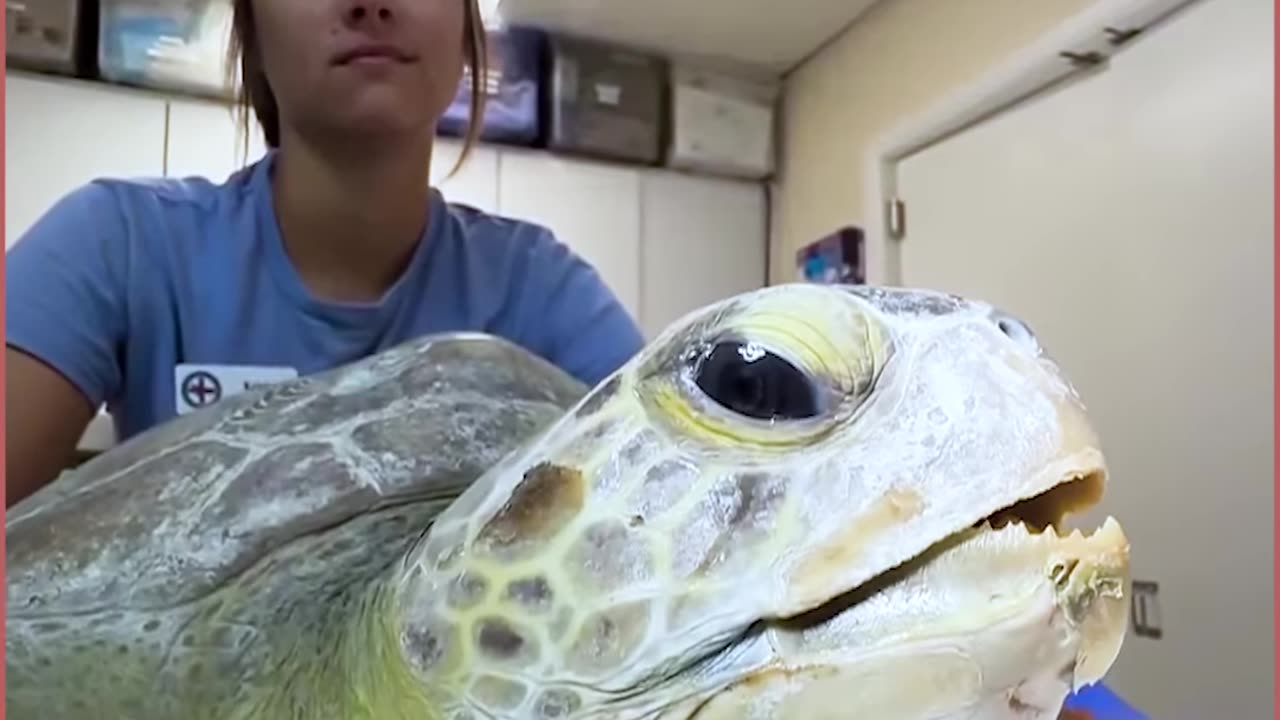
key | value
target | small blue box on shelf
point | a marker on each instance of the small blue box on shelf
(513, 90)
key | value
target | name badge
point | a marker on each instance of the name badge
(199, 386)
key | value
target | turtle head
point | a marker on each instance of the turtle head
(723, 511)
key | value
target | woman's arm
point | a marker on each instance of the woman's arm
(45, 416)
(65, 320)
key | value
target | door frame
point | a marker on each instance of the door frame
(1043, 66)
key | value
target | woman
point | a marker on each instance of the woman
(331, 248)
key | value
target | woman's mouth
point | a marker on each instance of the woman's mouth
(373, 54)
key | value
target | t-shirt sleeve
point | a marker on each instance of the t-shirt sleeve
(65, 290)
(574, 319)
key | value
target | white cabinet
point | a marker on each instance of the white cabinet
(475, 184)
(703, 240)
(60, 134)
(205, 140)
(593, 208)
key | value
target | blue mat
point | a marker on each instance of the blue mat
(1104, 704)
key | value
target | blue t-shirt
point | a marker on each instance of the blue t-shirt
(124, 280)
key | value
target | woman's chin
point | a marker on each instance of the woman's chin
(377, 109)
(387, 126)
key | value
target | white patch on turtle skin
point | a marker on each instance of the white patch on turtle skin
(361, 379)
(666, 483)
(608, 556)
(554, 703)
(916, 303)
(607, 638)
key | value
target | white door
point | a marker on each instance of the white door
(591, 207)
(60, 134)
(704, 239)
(1128, 218)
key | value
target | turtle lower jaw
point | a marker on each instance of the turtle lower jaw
(1089, 571)
(1088, 574)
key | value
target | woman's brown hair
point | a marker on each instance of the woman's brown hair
(254, 95)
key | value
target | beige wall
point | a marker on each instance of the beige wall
(898, 60)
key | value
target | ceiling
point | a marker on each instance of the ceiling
(772, 35)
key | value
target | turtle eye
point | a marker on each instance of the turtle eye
(749, 380)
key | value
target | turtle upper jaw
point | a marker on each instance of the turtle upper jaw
(992, 622)
(1077, 491)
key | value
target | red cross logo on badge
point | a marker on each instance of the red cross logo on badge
(200, 389)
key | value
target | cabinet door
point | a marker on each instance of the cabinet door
(205, 140)
(60, 134)
(475, 184)
(705, 239)
(592, 208)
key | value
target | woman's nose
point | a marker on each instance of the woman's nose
(365, 12)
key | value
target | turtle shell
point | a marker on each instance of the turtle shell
(331, 475)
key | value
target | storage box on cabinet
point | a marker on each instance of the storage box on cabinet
(54, 36)
(605, 101)
(721, 123)
(179, 46)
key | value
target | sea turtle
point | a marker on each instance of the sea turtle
(800, 502)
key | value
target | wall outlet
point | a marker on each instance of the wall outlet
(1145, 610)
